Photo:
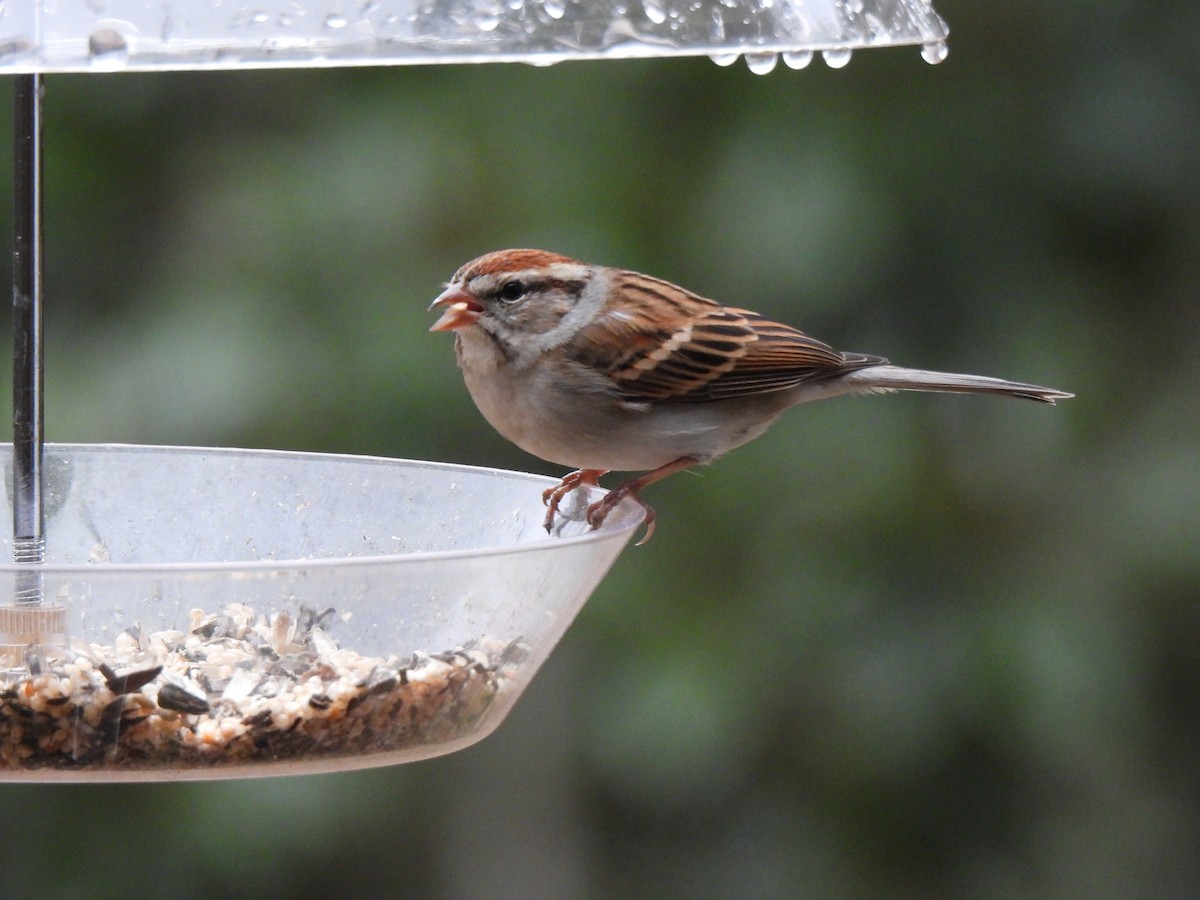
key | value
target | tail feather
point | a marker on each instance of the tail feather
(896, 378)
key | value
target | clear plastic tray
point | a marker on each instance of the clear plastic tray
(223, 613)
(72, 35)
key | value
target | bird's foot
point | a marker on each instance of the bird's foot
(598, 511)
(552, 497)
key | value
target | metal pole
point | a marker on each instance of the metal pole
(29, 543)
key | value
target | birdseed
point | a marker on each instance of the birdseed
(238, 688)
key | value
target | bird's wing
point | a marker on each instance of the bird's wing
(665, 343)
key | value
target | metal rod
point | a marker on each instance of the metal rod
(29, 542)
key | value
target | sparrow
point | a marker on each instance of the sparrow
(603, 369)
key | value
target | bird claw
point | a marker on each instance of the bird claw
(552, 497)
(597, 512)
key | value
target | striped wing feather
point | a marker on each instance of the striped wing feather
(709, 351)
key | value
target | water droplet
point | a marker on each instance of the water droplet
(934, 52)
(487, 16)
(554, 9)
(724, 59)
(336, 21)
(761, 63)
(654, 12)
(109, 44)
(259, 17)
(798, 59)
(837, 58)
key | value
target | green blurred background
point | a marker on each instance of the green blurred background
(906, 646)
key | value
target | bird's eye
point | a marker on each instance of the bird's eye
(511, 291)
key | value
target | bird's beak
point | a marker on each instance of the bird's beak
(461, 309)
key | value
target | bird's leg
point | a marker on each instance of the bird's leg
(553, 496)
(598, 511)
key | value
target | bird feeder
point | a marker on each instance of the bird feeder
(183, 613)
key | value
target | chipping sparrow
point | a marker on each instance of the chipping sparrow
(603, 369)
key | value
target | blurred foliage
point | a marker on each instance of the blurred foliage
(902, 646)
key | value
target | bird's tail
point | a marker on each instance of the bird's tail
(896, 378)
